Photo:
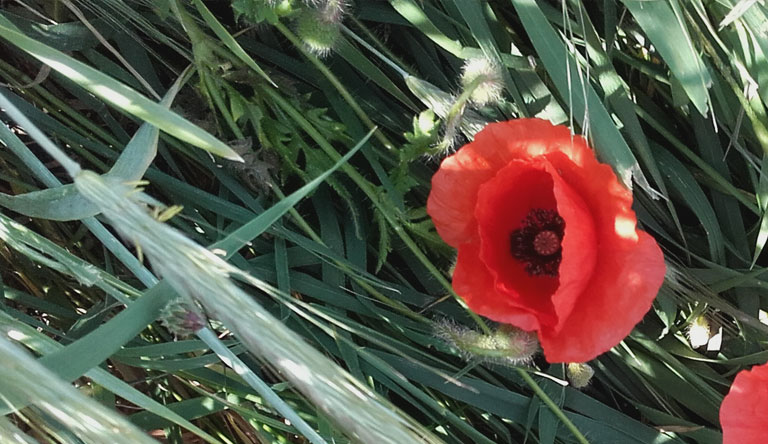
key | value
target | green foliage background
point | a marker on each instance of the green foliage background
(237, 119)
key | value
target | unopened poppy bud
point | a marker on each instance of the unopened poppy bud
(507, 345)
(332, 11)
(579, 374)
(484, 76)
(699, 332)
(182, 318)
(319, 28)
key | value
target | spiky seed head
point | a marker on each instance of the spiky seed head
(319, 26)
(506, 345)
(318, 35)
(484, 75)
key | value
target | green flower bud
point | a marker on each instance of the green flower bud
(318, 30)
(579, 374)
(182, 318)
(506, 345)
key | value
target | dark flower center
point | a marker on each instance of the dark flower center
(537, 242)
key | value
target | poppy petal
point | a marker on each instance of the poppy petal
(472, 280)
(628, 272)
(452, 200)
(455, 184)
(614, 302)
(528, 139)
(743, 412)
(503, 203)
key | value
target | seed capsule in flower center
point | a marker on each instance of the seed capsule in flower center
(537, 242)
(546, 243)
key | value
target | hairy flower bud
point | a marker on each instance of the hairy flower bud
(484, 76)
(319, 27)
(506, 345)
(182, 318)
(579, 374)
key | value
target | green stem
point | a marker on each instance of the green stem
(395, 305)
(262, 388)
(384, 58)
(552, 406)
(374, 197)
(215, 94)
(336, 84)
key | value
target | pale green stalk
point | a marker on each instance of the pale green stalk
(25, 381)
(554, 408)
(10, 434)
(232, 361)
(198, 273)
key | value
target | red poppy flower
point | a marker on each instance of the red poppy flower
(744, 412)
(547, 238)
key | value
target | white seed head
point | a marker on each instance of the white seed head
(485, 76)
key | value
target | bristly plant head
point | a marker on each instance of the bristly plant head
(482, 77)
(182, 317)
(579, 374)
(319, 26)
(504, 345)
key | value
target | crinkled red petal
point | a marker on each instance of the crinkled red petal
(503, 202)
(453, 197)
(473, 282)
(628, 272)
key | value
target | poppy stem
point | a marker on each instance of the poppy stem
(375, 198)
(336, 84)
(552, 406)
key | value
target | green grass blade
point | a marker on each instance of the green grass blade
(230, 41)
(65, 203)
(262, 222)
(26, 381)
(609, 144)
(664, 25)
(116, 93)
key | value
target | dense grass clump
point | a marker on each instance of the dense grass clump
(214, 229)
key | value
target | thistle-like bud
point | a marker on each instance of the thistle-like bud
(182, 318)
(319, 27)
(506, 345)
(699, 331)
(483, 76)
(579, 374)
